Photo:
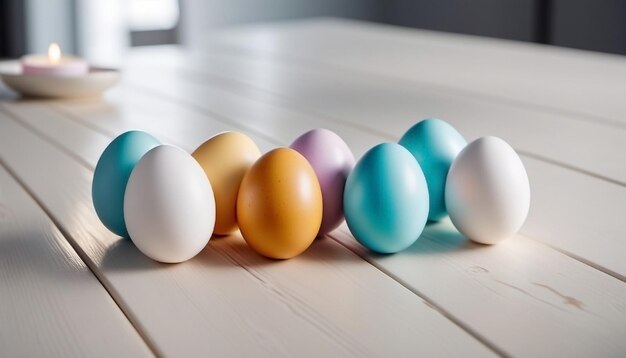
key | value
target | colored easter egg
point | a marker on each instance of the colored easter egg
(435, 144)
(111, 176)
(332, 161)
(386, 199)
(279, 206)
(169, 205)
(487, 191)
(225, 159)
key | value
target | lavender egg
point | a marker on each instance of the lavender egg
(332, 160)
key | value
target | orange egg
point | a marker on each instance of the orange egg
(279, 206)
(225, 158)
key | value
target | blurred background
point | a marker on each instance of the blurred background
(102, 30)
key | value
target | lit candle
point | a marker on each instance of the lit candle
(54, 63)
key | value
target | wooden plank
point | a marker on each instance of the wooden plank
(325, 92)
(228, 301)
(525, 296)
(355, 108)
(577, 83)
(508, 290)
(51, 304)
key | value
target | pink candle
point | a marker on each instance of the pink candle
(54, 63)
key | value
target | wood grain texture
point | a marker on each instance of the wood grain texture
(354, 111)
(513, 293)
(228, 301)
(577, 83)
(50, 303)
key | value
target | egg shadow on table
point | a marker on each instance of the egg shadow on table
(217, 253)
(234, 253)
(125, 256)
(440, 238)
(327, 249)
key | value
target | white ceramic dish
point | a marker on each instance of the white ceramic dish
(92, 84)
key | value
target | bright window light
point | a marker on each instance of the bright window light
(145, 15)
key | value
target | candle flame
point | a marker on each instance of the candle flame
(54, 53)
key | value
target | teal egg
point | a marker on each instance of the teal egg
(111, 176)
(386, 199)
(435, 144)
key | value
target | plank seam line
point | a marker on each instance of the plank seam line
(89, 125)
(112, 292)
(345, 342)
(107, 133)
(433, 87)
(430, 302)
(571, 168)
(238, 125)
(17, 118)
(585, 261)
(204, 111)
(285, 103)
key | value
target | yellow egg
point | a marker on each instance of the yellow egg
(225, 158)
(279, 206)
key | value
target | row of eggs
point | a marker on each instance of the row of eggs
(170, 203)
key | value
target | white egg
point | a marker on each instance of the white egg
(487, 191)
(169, 206)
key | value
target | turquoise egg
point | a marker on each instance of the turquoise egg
(435, 144)
(111, 176)
(386, 199)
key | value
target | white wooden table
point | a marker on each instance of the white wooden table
(68, 287)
